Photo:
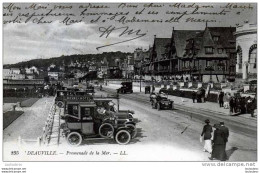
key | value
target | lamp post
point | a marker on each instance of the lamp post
(140, 77)
(199, 73)
(223, 68)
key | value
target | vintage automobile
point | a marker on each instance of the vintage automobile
(127, 87)
(87, 120)
(160, 101)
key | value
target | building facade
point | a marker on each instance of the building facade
(13, 73)
(246, 46)
(207, 55)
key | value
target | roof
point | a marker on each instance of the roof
(160, 46)
(180, 40)
(226, 36)
(205, 39)
(225, 40)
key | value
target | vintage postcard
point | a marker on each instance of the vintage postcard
(130, 82)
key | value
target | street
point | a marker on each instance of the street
(165, 135)
(175, 129)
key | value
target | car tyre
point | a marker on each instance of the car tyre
(74, 139)
(106, 130)
(60, 104)
(123, 137)
(132, 130)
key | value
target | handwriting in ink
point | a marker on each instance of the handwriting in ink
(105, 32)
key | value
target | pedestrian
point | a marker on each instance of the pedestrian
(236, 105)
(231, 104)
(220, 99)
(251, 106)
(203, 92)
(243, 105)
(254, 106)
(220, 139)
(226, 101)
(207, 130)
(193, 96)
(248, 102)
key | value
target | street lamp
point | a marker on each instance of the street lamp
(140, 77)
(199, 73)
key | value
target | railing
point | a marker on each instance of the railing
(47, 129)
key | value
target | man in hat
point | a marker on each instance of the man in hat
(225, 131)
(219, 142)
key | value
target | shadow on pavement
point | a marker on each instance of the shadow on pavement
(230, 152)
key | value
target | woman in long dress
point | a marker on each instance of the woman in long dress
(219, 145)
(207, 130)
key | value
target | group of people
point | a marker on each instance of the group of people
(241, 105)
(215, 142)
(199, 96)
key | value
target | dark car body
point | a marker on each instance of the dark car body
(160, 101)
(127, 87)
(85, 120)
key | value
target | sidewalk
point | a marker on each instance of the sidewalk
(207, 106)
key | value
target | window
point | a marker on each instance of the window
(208, 50)
(239, 58)
(220, 50)
(252, 57)
(215, 38)
(86, 113)
(75, 110)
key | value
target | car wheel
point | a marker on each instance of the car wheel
(60, 104)
(123, 137)
(132, 130)
(158, 106)
(106, 130)
(74, 139)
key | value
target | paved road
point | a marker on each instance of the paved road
(167, 127)
(162, 136)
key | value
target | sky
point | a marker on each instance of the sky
(23, 41)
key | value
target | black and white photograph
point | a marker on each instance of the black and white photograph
(130, 82)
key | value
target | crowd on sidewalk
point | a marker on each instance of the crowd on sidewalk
(237, 104)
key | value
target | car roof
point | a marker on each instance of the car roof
(83, 104)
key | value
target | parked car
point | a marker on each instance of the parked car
(87, 120)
